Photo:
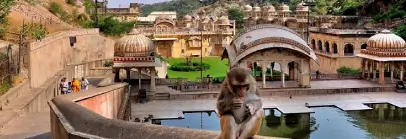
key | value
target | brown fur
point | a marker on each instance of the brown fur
(229, 122)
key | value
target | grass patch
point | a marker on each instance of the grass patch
(218, 68)
(4, 88)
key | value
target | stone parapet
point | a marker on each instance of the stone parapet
(57, 36)
(70, 120)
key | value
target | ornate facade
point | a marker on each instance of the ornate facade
(122, 14)
(192, 35)
(281, 15)
(286, 48)
(336, 48)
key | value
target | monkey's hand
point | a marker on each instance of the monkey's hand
(236, 103)
(250, 109)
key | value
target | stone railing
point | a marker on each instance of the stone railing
(75, 116)
(58, 36)
(36, 101)
(91, 68)
(334, 76)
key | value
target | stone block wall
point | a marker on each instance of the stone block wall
(53, 53)
(106, 104)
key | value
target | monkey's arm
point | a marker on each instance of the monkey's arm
(254, 101)
(224, 105)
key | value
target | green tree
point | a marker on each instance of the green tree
(401, 31)
(5, 6)
(238, 16)
(113, 27)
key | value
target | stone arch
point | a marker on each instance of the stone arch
(320, 45)
(364, 46)
(349, 49)
(327, 46)
(335, 49)
(313, 44)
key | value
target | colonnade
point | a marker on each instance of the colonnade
(294, 68)
(128, 71)
(371, 66)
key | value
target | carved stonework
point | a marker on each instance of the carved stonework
(278, 43)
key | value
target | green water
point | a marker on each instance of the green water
(383, 122)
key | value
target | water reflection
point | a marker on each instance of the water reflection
(385, 121)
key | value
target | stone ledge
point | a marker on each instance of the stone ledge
(72, 120)
(14, 92)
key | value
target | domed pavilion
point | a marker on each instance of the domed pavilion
(385, 52)
(136, 51)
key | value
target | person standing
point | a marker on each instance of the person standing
(75, 85)
(84, 83)
(64, 86)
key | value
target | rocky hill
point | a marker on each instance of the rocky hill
(38, 13)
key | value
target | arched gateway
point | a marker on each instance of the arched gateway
(269, 44)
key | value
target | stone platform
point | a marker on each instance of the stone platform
(296, 104)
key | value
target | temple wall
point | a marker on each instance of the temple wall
(54, 53)
(329, 64)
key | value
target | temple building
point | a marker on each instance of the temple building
(385, 53)
(122, 14)
(281, 15)
(191, 36)
(135, 53)
(336, 47)
(284, 47)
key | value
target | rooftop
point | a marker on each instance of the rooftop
(344, 31)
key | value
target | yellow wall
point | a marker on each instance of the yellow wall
(330, 62)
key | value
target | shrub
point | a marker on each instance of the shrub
(54, 8)
(4, 87)
(347, 70)
(2, 33)
(71, 2)
(108, 63)
(194, 67)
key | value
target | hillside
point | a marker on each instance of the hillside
(36, 13)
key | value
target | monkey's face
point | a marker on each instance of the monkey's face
(238, 78)
(240, 90)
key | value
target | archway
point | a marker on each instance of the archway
(327, 47)
(313, 44)
(364, 46)
(348, 50)
(335, 49)
(320, 44)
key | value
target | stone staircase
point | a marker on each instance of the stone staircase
(162, 96)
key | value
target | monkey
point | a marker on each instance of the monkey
(239, 105)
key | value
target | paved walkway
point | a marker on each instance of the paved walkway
(351, 101)
(28, 125)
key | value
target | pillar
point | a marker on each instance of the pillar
(152, 88)
(392, 67)
(128, 71)
(363, 68)
(283, 74)
(401, 71)
(369, 69)
(381, 73)
(139, 78)
(373, 71)
(263, 74)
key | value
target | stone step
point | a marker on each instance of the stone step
(21, 102)
(6, 117)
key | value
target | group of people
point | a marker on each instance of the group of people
(73, 86)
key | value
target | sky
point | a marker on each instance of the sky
(125, 3)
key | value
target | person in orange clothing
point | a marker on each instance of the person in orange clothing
(75, 85)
